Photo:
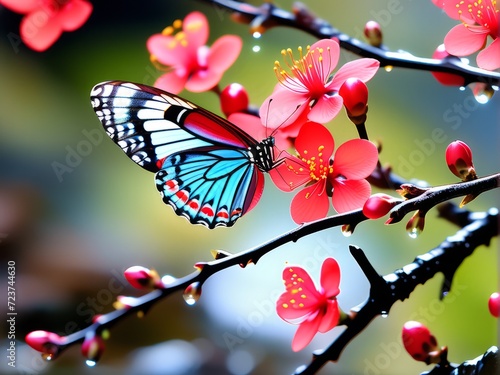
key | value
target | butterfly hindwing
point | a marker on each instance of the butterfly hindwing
(210, 186)
(207, 169)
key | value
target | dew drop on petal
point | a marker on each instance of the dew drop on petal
(388, 68)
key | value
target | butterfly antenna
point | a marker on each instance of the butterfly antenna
(275, 130)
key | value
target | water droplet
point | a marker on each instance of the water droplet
(47, 357)
(256, 48)
(192, 293)
(483, 94)
(462, 88)
(414, 232)
(347, 230)
(256, 34)
(384, 314)
(90, 363)
(465, 60)
(388, 68)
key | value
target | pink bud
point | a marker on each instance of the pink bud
(141, 277)
(93, 347)
(355, 95)
(447, 79)
(373, 33)
(45, 342)
(494, 305)
(420, 343)
(459, 159)
(234, 98)
(379, 205)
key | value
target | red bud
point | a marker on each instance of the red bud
(494, 305)
(373, 33)
(420, 343)
(355, 95)
(459, 159)
(234, 98)
(378, 205)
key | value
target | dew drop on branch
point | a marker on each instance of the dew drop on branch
(192, 293)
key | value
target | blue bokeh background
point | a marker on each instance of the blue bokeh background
(72, 237)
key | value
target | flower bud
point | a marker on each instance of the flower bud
(494, 305)
(355, 95)
(373, 33)
(447, 79)
(420, 343)
(45, 342)
(459, 159)
(379, 205)
(234, 98)
(92, 348)
(142, 278)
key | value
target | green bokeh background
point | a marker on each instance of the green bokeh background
(72, 239)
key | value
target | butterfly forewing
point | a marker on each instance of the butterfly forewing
(207, 169)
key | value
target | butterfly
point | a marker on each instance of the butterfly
(206, 168)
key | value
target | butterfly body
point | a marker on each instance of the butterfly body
(207, 169)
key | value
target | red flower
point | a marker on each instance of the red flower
(188, 61)
(480, 19)
(45, 20)
(342, 178)
(315, 310)
(310, 87)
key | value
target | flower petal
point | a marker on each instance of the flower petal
(196, 29)
(355, 159)
(203, 80)
(461, 42)
(331, 316)
(169, 51)
(350, 195)
(489, 58)
(305, 333)
(309, 204)
(224, 52)
(300, 298)
(315, 141)
(38, 31)
(330, 278)
(171, 82)
(364, 69)
(330, 56)
(21, 6)
(74, 14)
(282, 107)
(326, 108)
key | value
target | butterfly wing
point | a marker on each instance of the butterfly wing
(149, 124)
(210, 186)
(202, 163)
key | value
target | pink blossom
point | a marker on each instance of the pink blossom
(309, 87)
(480, 19)
(340, 177)
(45, 20)
(313, 309)
(180, 50)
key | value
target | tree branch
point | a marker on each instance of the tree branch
(268, 15)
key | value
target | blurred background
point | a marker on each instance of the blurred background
(72, 236)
